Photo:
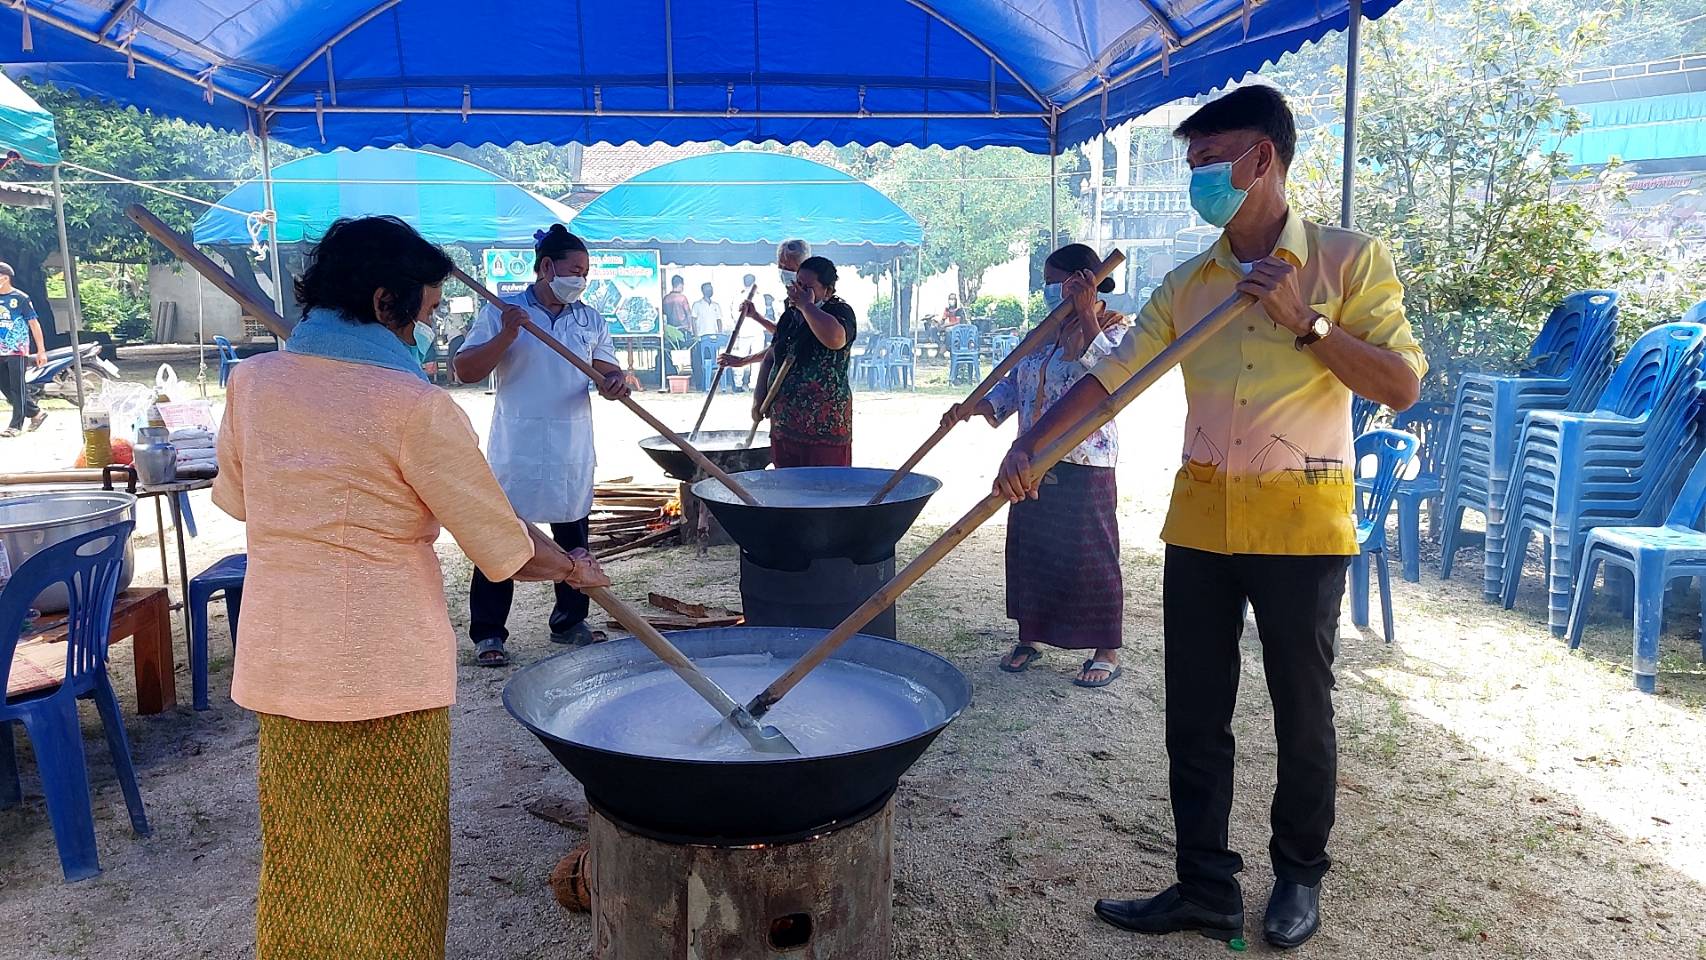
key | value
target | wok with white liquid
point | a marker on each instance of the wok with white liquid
(653, 756)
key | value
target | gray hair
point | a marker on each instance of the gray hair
(794, 248)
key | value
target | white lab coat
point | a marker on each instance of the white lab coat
(541, 445)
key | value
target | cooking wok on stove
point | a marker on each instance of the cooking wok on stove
(752, 798)
(817, 513)
(725, 448)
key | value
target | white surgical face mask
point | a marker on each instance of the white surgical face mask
(787, 277)
(568, 289)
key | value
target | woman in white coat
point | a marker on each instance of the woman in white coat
(541, 442)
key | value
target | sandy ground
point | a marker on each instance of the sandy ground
(1500, 795)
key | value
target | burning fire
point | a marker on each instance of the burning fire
(672, 508)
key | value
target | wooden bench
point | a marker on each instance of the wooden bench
(142, 614)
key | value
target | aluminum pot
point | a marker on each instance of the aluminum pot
(33, 521)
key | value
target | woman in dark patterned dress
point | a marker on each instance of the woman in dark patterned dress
(1063, 548)
(811, 423)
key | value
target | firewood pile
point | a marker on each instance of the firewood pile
(627, 516)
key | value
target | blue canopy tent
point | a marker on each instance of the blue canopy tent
(1042, 75)
(736, 206)
(28, 131)
(446, 199)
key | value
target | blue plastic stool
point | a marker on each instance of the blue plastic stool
(227, 576)
(87, 568)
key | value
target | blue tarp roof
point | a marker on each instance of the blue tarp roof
(446, 199)
(1668, 127)
(952, 73)
(25, 126)
(747, 197)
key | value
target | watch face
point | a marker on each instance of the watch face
(1320, 327)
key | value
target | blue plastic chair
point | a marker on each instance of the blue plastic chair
(1002, 345)
(1616, 465)
(1363, 412)
(1391, 452)
(900, 367)
(1567, 368)
(1653, 556)
(706, 349)
(87, 567)
(963, 353)
(228, 359)
(225, 576)
(1430, 423)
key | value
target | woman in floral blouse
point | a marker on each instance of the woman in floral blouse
(811, 423)
(1063, 548)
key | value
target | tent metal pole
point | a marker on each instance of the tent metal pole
(69, 267)
(1053, 182)
(272, 228)
(1353, 44)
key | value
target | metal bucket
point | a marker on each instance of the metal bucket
(33, 521)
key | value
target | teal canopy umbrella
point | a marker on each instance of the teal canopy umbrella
(736, 206)
(27, 131)
(446, 199)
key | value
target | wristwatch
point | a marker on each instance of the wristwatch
(1318, 328)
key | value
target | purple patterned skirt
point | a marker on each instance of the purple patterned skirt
(1063, 561)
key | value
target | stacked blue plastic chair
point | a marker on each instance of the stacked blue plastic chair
(1618, 464)
(86, 567)
(1430, 423)
(1654, 556)
(1392, 450)
(1363, 412)
(1567, 367)
(862, 373)
(963, 353)
(900, 365)
(1002, 344)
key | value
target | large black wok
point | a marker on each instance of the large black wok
(725, 448)
(729, 802)
(815, 513)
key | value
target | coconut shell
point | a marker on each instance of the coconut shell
(569, 881)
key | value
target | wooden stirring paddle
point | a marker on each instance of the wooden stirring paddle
(769, 399)
(717, 378)
(1045, 459)
(766, 739)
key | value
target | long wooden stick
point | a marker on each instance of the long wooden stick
(992, 504)
(767, 739)
(592, 374)
(717, 379)
(769, 398)
(1044, 332)
(185, 250)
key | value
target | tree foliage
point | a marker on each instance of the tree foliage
(1459, 171)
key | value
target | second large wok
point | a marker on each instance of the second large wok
(817, 513)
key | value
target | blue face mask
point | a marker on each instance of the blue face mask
(1213, 196)
(1052, 295)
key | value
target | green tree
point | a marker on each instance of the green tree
(1459, 170)
(201, 162)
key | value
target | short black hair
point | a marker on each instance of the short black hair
(1075, 257)
(1258, 108)
(676, 281)
(555, 244)
(359, 256)
(6, 269)
(822, 268)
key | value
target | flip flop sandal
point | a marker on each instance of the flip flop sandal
(484, 650)
(1112, 669)
(1031, 655)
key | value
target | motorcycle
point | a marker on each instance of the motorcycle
(58, 377)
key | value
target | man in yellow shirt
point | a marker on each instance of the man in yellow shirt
(1263, 506)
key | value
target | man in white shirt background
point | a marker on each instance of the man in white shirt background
(707, 321)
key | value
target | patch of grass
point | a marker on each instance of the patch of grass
(1464, 928)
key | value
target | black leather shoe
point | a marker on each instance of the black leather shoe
(1169, 912)
(1294, 914)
